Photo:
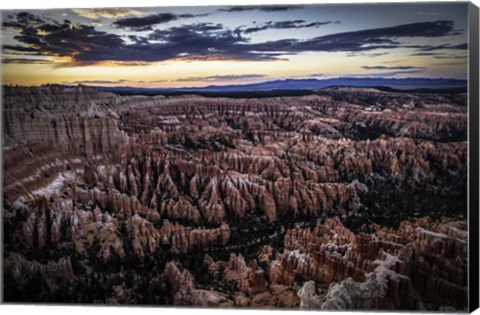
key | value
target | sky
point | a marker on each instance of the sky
(217, 45)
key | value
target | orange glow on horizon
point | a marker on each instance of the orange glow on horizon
(188, 72)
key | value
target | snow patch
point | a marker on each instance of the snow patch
(55, 186)
(430, 233)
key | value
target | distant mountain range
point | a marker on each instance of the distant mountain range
(311, 84)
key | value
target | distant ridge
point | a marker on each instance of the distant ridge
(403, 84)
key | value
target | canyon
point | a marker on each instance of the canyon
(347, 198)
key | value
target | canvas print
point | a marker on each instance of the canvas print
(309, 157)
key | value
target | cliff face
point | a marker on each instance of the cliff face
(133, 192)
(49, 132)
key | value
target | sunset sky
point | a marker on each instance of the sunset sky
(212, 45)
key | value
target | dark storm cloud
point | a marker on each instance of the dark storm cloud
(264, 8)
(391, 68)
(199, 41)
(281, 25)
(145, 23)
(223, 77)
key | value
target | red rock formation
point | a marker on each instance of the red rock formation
(183, 290)
(113, 181)
(249, 279)
(387, 265)
(21, 270)
(183, 239)
(145, 238)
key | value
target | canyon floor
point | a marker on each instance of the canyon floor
(348, 198)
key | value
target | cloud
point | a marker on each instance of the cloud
(316, 75)
(204, 41)
(120, 81)
(450, 57)
(25, 61)
(20, 20)
(58, 38)
(385, 74)
(394, 73)
(83, 44)
(364, 40)
(108, 13)
(97, 81)
(460, 63)
(154, 81)
(146, 23)
(391, 68)
(264, 8)
(366, 54)
(463, 46)
(18, 48)
(424, 54)
(281, 25)
(216, 78)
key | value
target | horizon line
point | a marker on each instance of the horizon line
(111, 85)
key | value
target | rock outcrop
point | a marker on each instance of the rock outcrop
(184, 293)
(308, 297)
(379, 268)
(21, 270)
(183, 239)
(250, 279)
